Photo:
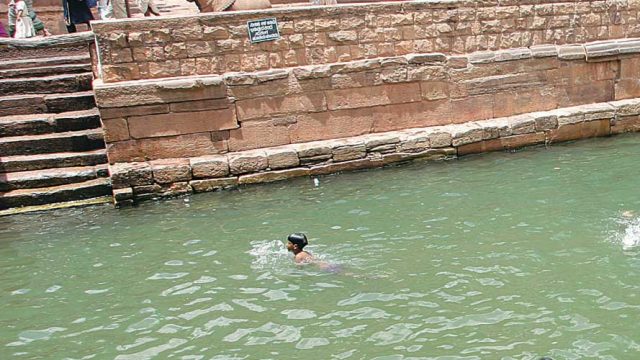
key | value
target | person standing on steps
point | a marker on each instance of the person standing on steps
(38, 25)
(76, 12)
(24, 24)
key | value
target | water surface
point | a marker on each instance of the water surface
(494, 256)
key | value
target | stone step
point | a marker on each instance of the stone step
(47, 61)
(19, 163)
(45, 71)
(53, 84)
(51, 177)
(46, 103)
(36, 124)
(62, 193)
(72, 141)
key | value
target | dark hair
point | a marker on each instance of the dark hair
(299, 239)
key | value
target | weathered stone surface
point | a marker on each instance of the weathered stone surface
(430, 154)
(522, 124)
(122, 196)
(159, 91)
(626, 124)
(580, 130)
(282, 157)
(213, 184)
(130, 174)
(271, 176)
(414, 141)
(346, 166)
(115, 130)
(123, 112)
(211, 166)
(545, 120)
(181, 123)
(247, 162)
(465, 134)
(163, 148)
(381, 142)
(176, 189)
(347, 149)
(626, 107)
(257, 108)
(505, 143)
(169, 171)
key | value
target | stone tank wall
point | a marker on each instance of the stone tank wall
(176, 91)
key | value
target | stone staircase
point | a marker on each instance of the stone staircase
(52, 151)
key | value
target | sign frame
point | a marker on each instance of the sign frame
(258, 24)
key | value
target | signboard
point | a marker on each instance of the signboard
(263, 30)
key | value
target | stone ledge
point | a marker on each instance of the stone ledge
(146, 180)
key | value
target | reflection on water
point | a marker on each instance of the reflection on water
(497, 256)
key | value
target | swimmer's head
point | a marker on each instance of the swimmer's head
(298, 240)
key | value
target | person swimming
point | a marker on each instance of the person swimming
(296, 243)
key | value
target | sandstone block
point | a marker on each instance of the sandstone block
(434, 90)
(123, 112)
(344, 36)
(115, 130)
(348, 149)
(159, 91)
(373, 96)
(122, 196)
(182, 123)
(545, 120)
(466, 133)
(175, 189)
(282, 157)
(440, 137)
(200, 105)
(259, 134)
(571, 52)
(581, 130)
(495, 128)
(414, 141)
(627, 107)
(247, 162)
(207, 185)
(258, 108)
(182, 146)
(124, 175)
(351, 165)
(271, 176)
(312, 149)
(169, 171)
(627, 88)
(626, 124)
(506, 143)
(427, 155)
(381, 142)
(211, 166)
(522, 124)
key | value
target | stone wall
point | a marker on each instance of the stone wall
(189, 104)
(134, 181)
(203, 115)
(217, 43)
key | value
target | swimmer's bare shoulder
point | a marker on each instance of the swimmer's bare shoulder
(303, 257)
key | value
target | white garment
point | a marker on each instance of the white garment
(146, 5)
(24, 24)
(105, 9)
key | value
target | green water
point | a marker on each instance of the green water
(495, 256)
